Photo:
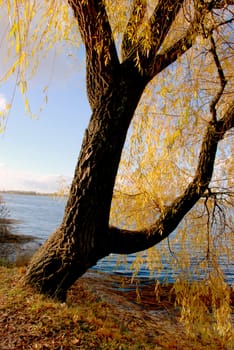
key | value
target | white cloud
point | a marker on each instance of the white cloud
(3, 103)
(26, 181)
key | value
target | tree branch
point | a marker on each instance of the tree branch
(170, 55)
(165, 59)
(101, 54)
(162, 60)
(127, 241)
(142, 50)
(219, 4)
(130, 35)
(161, 21)
(222, 79)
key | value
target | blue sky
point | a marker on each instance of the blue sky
(36, 153)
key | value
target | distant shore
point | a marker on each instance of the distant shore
(29, 193)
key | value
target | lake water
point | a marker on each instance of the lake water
(40, 215)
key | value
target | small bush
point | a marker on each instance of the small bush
(4, 215)
(4, 211)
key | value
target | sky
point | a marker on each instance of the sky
(36, 153)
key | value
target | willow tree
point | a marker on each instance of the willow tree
(130, 49)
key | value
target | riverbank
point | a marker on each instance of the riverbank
(103, 311)
(95, 316)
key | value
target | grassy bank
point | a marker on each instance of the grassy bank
(31, 321)
(94, 317)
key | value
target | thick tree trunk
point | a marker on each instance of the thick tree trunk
(82, 237)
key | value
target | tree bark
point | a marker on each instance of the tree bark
(82, 237)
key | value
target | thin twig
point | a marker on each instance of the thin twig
(222, 79)
(208, 228)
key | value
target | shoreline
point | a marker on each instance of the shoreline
(92, 318)
(145, 293)
(15, 248)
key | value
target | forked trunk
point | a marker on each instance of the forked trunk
(114, 90)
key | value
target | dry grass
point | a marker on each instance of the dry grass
(94, 317)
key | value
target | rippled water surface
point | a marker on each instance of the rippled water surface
(40, 215)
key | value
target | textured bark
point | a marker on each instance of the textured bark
(114, 90)
(82, 237)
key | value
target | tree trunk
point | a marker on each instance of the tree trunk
(84, 236)
(81, 239)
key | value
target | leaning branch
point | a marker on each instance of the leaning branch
(142, 50)
(161, 22)
(169, 56)
(127, 241)
(165, 58)
(130, 36)
(101, 54)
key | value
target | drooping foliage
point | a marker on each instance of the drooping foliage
(167, 162)
(32, 30)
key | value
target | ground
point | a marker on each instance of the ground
(103, 311)
(98, 314)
